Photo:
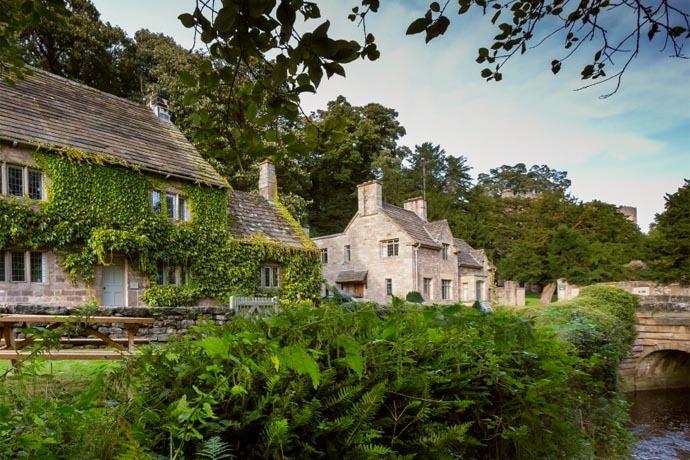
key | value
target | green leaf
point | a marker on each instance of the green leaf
(418, 25)
(353, 353)
(187, 20)
(299, 360)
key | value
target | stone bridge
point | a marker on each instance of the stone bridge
(661, 353)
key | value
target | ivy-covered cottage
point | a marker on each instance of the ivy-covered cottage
(386, 250)
(104, 199)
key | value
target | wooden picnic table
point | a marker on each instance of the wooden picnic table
(12, 348)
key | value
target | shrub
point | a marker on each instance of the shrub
(171, 296)
(414, 297)
(429, 382)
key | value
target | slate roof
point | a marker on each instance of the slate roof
(467, 255)
(351, 276)
(412, 224)
(47, 109)
(254, 215)
(435, 228)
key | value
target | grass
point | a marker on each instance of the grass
(68, 370)
(532, 299)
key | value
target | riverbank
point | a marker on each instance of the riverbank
(426, 382)
(660, 420)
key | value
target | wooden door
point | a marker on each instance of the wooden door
(113, 285)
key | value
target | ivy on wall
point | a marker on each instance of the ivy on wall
(95, 210)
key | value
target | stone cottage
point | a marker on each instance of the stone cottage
(102, 198)
(390, 251)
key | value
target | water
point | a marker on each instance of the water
(661, 423)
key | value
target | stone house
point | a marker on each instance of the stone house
(390, 251)
(46, 116)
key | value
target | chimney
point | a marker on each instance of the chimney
(268, 184)
(369, 197)
(159, 105)
(418, 206)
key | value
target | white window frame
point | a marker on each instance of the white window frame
(347, 253)
(446, 289)
(389, 286)
(273, 281)
(389, 248)
(6, 260)
(4, 180)
(163, 196)
(324, 255)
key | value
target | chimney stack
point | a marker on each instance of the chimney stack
(418, 206)
(159, 105)
(268, 184)
(369, 197)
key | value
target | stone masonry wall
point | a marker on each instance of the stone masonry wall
(169, 322)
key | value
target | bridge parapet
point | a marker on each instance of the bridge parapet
(674, 303)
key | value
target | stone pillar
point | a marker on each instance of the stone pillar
(268, 184)
(369, 198)
(418, 206)
(520, 296)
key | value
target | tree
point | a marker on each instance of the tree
(519, 181)
(354, 145)
(669, 239)
(81, 47)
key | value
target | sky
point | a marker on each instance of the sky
(630, 149)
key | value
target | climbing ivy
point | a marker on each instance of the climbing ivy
(96, 209)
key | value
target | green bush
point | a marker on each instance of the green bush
(361, 382)
(171, 296)
(414, 297)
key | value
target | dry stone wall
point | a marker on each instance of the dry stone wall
(169, 322)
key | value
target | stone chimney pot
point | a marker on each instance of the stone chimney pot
(369, 197)
(268, 184)
(418, 206)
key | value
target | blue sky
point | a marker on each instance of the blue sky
(630, 149)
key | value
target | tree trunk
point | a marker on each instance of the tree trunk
(547, 293)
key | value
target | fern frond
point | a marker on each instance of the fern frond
(214, 449)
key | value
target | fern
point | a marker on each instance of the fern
(214, 449)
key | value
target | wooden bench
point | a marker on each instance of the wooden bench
(12, 348)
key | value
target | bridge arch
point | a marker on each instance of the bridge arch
(665, 365)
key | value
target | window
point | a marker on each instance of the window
(18, 267)
(22, 181)
(170, 204)
(270, 277)
(389, 248)
(15, 180)
(37, 265)
(35, 184)
(347, 253)
(2, 266)
(324, 256)
(445, 289)
(182, 209)
(156, 201)
(172, 275)
(426, 288)
(444, 251)
(389, 286)
(465, 291)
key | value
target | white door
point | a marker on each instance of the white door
(113, 284)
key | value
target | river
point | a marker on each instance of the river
(661, 423)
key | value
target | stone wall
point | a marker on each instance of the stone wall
(169, 322)
(510, 294)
